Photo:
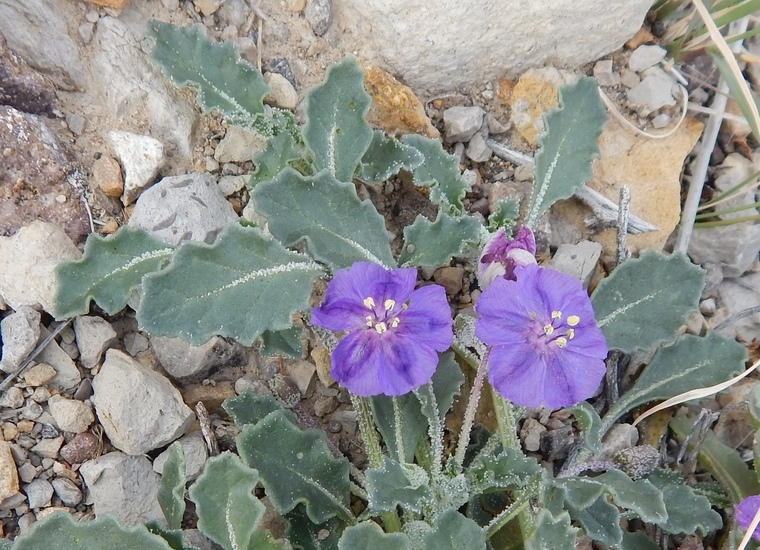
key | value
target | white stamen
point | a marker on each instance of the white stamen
(561, 342)
(368, 302)
(394, 322)
(380, 327)
(573, 320)
(570, 333)
(389, 304)
(556, 315)
(548, 330)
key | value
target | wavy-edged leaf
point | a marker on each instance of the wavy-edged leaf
(108, 271)
(103, 532)
(171, 491)
(432, 244)
(228, 512)
(243, 284)
(555, 532)
(637, 541)
(506, 470)
(579, 492)
(248, 408)
(504, 214)
(692, 362)
(439, 172)
(278, 154)
(338, 227)
(368, 535)
(305, 534)
(567, 147)
(281, 342)
(336, 132)
(639, 496)
(225, 83)
(453, 531)
(386, 156)
(390, 485)
(688, 512)
(645, 300)
(298, 469)
(591, 425)
(600, 521)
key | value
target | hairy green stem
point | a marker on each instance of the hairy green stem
(367, 430)
(520, 508)
(472, 407)
(398, 428)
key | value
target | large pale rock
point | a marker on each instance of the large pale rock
(441, 45)
(67, 374)
(188, 363)
(8, 472)
(94, 336)
(734, 247)
(71, 415)
(139, 409)
(141, 157)
(20, 332)
(735, 295)
(29, 260)
(196, 453)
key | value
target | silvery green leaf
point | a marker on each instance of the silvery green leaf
(637, 541)
(338, 228)
(108, 271)
(600, 521)
(298, 469)
(225, 82)
(645, 300)
(505, 213)
(506, 470)
(386, 156)
(688, 512)
(555, 532)
(591, 425)
(243, 284)
(248, 408)
(579, 492)
(335, 130)
(453, 531)
(639, 496)
(433, 244)
(394, 484)
(567, 147)
(440, 172)
(368, 535)
(279, 153)
(304, 533)
(281, 342)
(171, 491)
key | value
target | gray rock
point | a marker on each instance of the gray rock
(75, 122)
(628, 78)
(23, 23)
(27, 472)
(319, 15)
(12, 398)
(708, 307)
(325, 405)
(139, 409)
(67, 374)
(477, 150)
(94, 336)
(38, 493)
(20, 333)
(86, 31)
(256, 387)
(189, 207)
(646, 56)
(71, 415)
(661, 121)
(67, 491)
(141, 158)
(281, 92)
(736, 295)
(48, 448)
(653, 92)
(30, 258)
(619, 438)
(735, 169)
(22, 87)
(604, 74)
(38, 374)
(230, 185)
(530, 434)
(196, 454)
(578, 260)
(302, 373)
(238, 145)
(135, 343)
(188, 363)
(26, 521)
(124, 486)
(461, 123)
(735, 247)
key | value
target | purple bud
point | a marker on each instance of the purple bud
(501, 255)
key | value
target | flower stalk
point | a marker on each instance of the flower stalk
(472, 407)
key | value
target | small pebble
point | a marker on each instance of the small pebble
(708, 307)
(334, 426)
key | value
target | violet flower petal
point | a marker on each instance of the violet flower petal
(745, 512)
(427, 320)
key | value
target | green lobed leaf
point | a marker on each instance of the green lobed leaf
(579, 492)
(171, 491)
(225, 83)
(335, 130)
(298, 469)
(645, 300)
(505, 213)
(281, 342)
(691, 363)
(278, 154)
(248, 408)
(368, 535)
(432, 244)
(591, 425)
(439, 172)
(243, 284)
(305, 534)
(228, 512)
(338, 227)
(508, 469)
(567, 147)
(390, 486)
(453, 531)
(108, 271)
(637, 541)
(447, 380)
(639, 496)
(723, 462)
(386, 156)
(103, 532)
(688, 512)
(555, 532)
(173, 537)
(600, 521)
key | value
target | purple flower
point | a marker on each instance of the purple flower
(546, 348)
(501, 255)
(745, 512)
(394, 331)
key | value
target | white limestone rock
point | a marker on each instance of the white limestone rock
(94, 336)
(141, 158)
(71, 415)
(20, 332)
(196, 454)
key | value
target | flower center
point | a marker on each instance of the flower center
(382, 320)
(556, 331)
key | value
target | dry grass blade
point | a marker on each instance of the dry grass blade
(696, 394)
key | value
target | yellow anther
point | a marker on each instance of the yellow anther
(561, 342)
(556, 315)
(380, 327)
(395, 322)
(573, 320)
(368, 302)
(389, 304)
(548, 330)
(570, 333)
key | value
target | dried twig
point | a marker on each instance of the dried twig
(621, 252)
(206, 429)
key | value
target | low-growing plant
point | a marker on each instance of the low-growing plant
(535, 336)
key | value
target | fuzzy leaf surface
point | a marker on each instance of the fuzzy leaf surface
(338, 227)
(386, 156)
(336, 132)
(281, 342)
(248, 408)
(390, 486)
(225, 82)
(277, 155)
(637, 541)
(105, 532)
(555, 532)
(505, 213)
(508, 469)
(303, 533)
(432, 244)
(108, 271)
(692, 362)
(299, 469)
(645, 300)
(439, 172)
(171, 491)
(368, 535)
(639, 496)
(688, 512)
(568, 146)
(243, 284)
(453, 531)
(591, 425)
(600, 521)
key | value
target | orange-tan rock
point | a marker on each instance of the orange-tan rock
(118, 4)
